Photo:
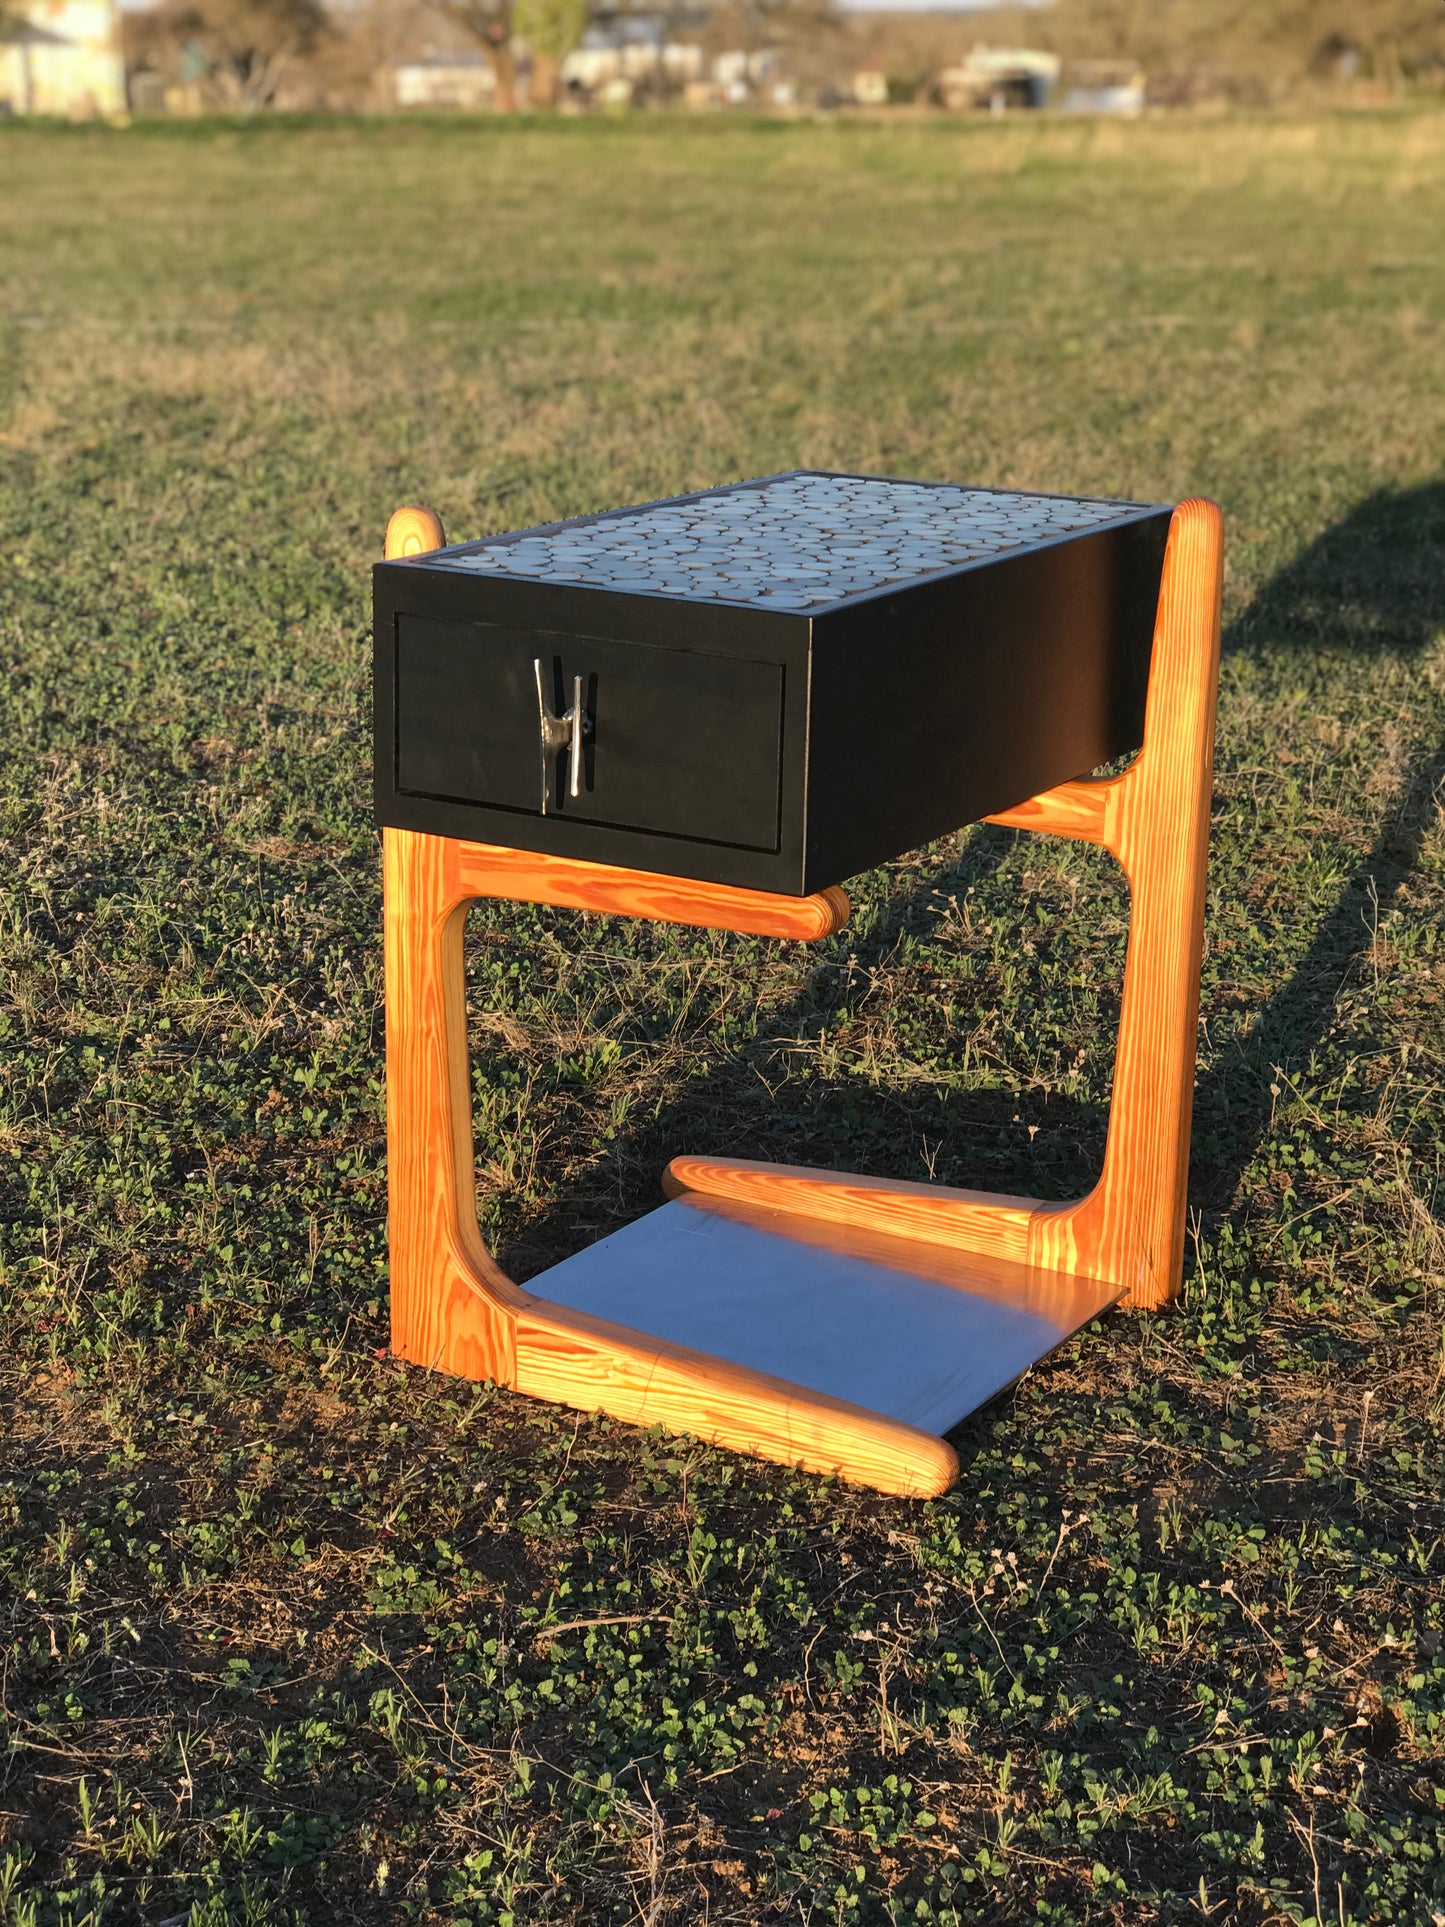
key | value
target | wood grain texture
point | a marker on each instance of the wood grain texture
(448, 1298)
(413, 531)
(1154, 816)
(1131, 1226)
(451, 1305)
(452, 1308)
(524, 876)
(589, 1363)
(981, 1221)
(1080, 810)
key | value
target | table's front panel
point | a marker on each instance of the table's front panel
(673, 743)
(692, 757)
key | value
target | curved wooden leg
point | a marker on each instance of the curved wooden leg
(450, 1305)
(453, 1308)
(1129, 1230)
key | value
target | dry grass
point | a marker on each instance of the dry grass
(292, 1633)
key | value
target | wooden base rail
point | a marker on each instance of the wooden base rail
(453, 1308)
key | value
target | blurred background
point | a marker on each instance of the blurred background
(290, 1632)
(73, 58)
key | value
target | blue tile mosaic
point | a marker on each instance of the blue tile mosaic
(792, 542)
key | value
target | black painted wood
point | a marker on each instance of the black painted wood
(786, 681)
(680, 744)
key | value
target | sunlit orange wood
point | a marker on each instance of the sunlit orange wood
(489, 870)
(983, 1221)
(1154, 816)
(1080, 810)
(453, 1308)
(588, 1362)
(1130, 1228)
(414, 531)
(449, 1302)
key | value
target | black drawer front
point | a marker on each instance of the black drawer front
(680, 744)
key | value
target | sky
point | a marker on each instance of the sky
(931, 6)
(842, 6)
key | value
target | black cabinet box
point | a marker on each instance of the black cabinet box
(776, 684)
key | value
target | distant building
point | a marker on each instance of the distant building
(62, 57)
(1105, 87)
(628, 55)
(999, 78)
(462, 80)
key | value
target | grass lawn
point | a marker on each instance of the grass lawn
(289, 1632)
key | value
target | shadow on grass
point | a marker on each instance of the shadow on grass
(1233, 1100)
(1372, 585)
(978, 1138)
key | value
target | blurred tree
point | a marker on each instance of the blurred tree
(353, 67)
(1254, 47)
(1389, 39)
(490, 23)
(551, 29)
(813, 34)
(242, 49)
(1398, 39)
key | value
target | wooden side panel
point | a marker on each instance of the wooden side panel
(1131, 1228)
(585, 1362)
(983, 1221)
(526, 876)
(1154, 817)
(450, 1305)
(1081, 810)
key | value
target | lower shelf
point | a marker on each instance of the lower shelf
(914, 1332)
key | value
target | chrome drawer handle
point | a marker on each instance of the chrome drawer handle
(568, 731)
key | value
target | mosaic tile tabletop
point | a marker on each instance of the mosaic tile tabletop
(789, 541)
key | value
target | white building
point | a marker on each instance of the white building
(461, 80)
(628, 53)
(1000, 77)
(62, 57)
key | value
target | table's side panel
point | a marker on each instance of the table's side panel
(951, 699)
(450, 1304)
(1131, 1228)
(573, 1359)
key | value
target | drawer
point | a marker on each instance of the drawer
(675, 743)
(783, 681)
